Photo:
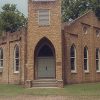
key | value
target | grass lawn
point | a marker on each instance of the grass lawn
(90, 89)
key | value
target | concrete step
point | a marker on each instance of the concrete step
(45, 80)
(44, 83)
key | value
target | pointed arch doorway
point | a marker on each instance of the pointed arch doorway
(45, 60)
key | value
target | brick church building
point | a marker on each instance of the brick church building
(51, 53)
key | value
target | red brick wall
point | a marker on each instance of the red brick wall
(74, 34)
(8, 42)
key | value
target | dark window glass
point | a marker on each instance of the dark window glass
(1, 57)
(97, 56)
(17, 64)
(85, 52)
(97, 59)
(85, 64)
(85, 58)
(72, 52)
(45, 51)
(97, 65)
(1, 63)
(17, 52)
(72, 63)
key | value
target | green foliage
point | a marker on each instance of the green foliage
(97, 12)
(96, 8)
(11, 19)
(71, 9)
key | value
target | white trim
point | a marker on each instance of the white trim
(14, 65)
(16, 72)
(73, 71)
(98, 60)
(98, 71)
(87, 71)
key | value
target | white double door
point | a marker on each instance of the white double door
(46, 67)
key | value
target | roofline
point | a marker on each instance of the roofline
(70, 23)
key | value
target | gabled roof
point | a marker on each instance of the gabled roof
(73, 21)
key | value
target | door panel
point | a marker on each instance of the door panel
(46, 67)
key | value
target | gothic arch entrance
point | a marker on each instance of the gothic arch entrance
(44, 60)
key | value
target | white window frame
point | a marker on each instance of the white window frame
(15, 71)
(87, 71)
(73, 71)
(39, 18)
(98, 59)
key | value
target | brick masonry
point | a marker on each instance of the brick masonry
(7, 42)
(73, 33)
(61, 36)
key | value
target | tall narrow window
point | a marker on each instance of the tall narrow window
(97, 60)
(1, 58)
(16, 59)
(73, 58)
(86, 69)
(44, 17)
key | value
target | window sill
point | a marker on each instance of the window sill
(44, 25)
(98, 71)
(74, 72)
(87, 72)
(17, 72)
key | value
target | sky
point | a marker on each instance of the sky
(22, 5)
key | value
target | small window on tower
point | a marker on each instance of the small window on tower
(44, 17)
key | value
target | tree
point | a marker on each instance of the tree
(11, 19)
(71, 9)
(96, 7)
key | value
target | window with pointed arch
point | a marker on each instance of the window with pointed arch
(86, 65)
(1, 58)
(73, 58)
(97, 60)
(16, 59)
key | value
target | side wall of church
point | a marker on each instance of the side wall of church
(8, 41)
(74, 34)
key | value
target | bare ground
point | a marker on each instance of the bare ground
(28, 97)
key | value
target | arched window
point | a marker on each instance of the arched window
(86, 69)
(97, 60)
(73, 58)
(16, 59)
(1, 57)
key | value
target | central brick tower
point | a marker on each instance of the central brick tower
(44, 44)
